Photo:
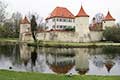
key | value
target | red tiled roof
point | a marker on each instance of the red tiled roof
(25, 21)
(82, 13)
(61, 12)
(108, 17)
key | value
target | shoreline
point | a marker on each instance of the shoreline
(56, 44)
(73, 45)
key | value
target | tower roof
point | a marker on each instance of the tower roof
(109, 17)
(61, 69)
(25, 21)
(82, 13)
(61, 12)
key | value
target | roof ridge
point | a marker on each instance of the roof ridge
(61, 12)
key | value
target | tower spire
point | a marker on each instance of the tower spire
(109, 17)
(82, 13)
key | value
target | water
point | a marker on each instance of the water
(89, 61)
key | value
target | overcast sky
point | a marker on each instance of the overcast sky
(45, 7)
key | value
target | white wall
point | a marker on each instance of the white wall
(108, 24)
(69, 36)
(82, 25)
(58, 36)
(96, 35)
(50, 23)
(25, 28)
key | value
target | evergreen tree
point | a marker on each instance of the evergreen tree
(34, 27)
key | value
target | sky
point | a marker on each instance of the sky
(45, 7)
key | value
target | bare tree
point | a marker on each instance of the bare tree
(3, 7)
(16, 18)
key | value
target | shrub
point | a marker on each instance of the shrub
(112, 34)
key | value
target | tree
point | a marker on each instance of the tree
(16, 17)
(34, 27)
(3, 7)
(112, 34)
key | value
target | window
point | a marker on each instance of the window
(53, 26)
(60, 20)
(64, 27)
(64, 20)
(57, 19)
(60, 26)
(53, 20)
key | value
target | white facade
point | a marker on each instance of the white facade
(82, 25)
(60, 23)
(25, 28)
(108, 24)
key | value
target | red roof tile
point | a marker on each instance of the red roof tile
(82, 13)
(108, 17)
(25, 21)
(61, 12)
(61, 69)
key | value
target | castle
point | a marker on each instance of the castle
(60, 19)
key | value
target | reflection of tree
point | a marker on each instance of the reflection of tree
(104, 57)
(10, 52)
(98, 61)
(34, 56)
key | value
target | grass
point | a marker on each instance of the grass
(73, 44)
(11, 75)
(60, 44)
(8, 39)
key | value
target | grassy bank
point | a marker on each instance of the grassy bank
(11, 75)
(59, 44)
(8, 39)
(73, 45)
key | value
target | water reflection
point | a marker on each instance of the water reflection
(89, 61)
(81, 60)
(59, 62)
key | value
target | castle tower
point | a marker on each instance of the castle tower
(82, 23)
(109, 21)
(25, 29)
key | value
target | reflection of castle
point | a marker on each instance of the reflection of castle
(25, 53)
(103, 60)
(62, 19)
(60, 63)
(81, 61)
(64, 62)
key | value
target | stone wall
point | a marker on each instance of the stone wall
(66, 36)
(96, 36)
(58, 36)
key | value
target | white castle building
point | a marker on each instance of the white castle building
(60, 19)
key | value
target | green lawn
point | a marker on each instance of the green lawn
(73, 44)
(8, 39)
(11, 75)
(60, 44)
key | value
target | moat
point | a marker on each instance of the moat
(89, 61)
